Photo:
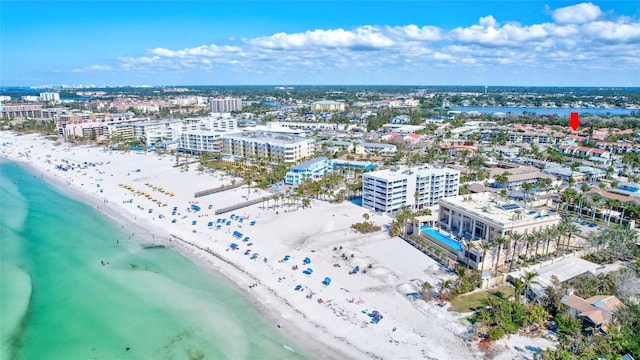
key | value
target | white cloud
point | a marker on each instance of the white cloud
(93, 68)
(203, 50)
(577, 14)
(575, 36)
(364, 37)
(413, 32)
(613, 31)
(489, 32)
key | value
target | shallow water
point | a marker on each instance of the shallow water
(58, 301)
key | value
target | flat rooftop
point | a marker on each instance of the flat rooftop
(491, 206)
(401, 172)
(565, 269)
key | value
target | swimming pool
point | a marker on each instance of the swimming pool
(436, 235)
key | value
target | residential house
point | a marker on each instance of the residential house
(583, 151)
(596, 311)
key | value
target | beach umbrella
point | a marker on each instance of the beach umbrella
(310, 270)
(286, 257)
(327, 280)
(307, 260)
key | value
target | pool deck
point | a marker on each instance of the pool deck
(444, 240)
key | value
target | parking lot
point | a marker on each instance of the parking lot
(585, 225)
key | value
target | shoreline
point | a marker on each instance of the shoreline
(190, 251)
(329, 330)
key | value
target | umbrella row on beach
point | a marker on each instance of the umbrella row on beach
(159, 188)
(143, 193)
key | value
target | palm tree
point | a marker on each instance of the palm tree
(580, 198)
(616, 204)
(500, 240)
(485, 246)
(539, 238)
(622, 208)
(567, 196)
(527, 280)
(248, 178)
(445, 285)
(529, 239)
(402, 216)
(595, 202)
(561, 227)
(502, 178)
(515, 240)
(549, 234)
(366, 217)
(570, 230)
(468, 246)
(527, 187)
(609, 203)
(518, 289)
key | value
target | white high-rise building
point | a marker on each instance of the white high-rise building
(200, 141)
(225, 105)
(418, 187)
(50, 97)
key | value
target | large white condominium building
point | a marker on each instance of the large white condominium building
(418, 187)
(225, 105)
(218, 122)
(271, 147)
(50, 97)
(484, 216)
(200, 141)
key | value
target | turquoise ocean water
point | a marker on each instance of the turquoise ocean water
(57, 301)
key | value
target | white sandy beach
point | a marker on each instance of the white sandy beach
(335, 327)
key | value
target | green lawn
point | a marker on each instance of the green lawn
(472, 302)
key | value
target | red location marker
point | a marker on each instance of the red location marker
(574, 122)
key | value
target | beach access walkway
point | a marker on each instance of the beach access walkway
(206, 192)
(243, 204)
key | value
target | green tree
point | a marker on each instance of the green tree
(528, 280)
(500, 241)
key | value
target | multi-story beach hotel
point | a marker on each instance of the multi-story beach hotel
(391, 189)
(268, 146)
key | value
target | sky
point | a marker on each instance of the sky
(456, 42)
